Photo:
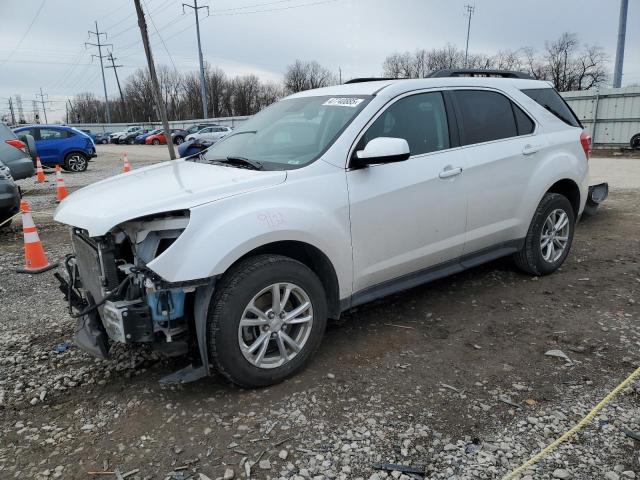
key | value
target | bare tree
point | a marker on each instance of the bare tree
(303, 75)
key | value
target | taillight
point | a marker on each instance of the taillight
(585, 141)
(17, 144)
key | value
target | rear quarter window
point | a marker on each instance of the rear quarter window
(553, 102)
(484, 116)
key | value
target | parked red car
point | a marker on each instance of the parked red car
(157, 139)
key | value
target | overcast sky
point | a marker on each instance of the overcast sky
(264, 36)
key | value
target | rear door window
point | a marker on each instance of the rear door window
(420, 119)
(484, 116)
(51, 134)
(552, 101)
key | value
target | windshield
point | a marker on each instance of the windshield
(290, 133)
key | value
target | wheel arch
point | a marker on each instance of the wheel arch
(569, 189)
(314, 258)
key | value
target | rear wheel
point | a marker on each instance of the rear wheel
(635, 142)
(266, 320)
(549, 238)
(76, 162)
(178, 140)
(155, 141)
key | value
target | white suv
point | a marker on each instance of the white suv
(325, 200)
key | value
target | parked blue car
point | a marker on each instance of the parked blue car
(142, 137)
(65, 146)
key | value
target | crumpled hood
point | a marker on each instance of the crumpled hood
(173, 185)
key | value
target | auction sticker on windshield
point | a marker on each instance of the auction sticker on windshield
(344, 102)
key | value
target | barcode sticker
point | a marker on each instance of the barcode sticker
(344, 102)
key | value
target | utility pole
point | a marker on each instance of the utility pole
(340, 75)
(36, 112)
(44, 109)
(622, 33)
(97, 33)
(13, 115)
(115, 71)
(160, 106)
(20, 109)
(203, 90)
(470, 9)
(70, 109)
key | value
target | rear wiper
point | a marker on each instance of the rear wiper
(241, 162)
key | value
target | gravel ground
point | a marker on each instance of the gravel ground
(451, 378)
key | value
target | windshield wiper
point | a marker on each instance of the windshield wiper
(241, 162)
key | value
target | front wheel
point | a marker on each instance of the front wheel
(76, 162)
(635, 142)
(549, 238)
(156, 141)
(178, 140)
(266, 320)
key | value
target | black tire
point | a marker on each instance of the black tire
(105, 141)
(130, 141)
(155, 141)
(635, 142)
(234, 292)
(530, 259)
(178, 140)
(76, 162)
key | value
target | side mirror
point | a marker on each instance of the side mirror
(382, 150)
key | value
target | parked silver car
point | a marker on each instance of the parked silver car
(213, 133)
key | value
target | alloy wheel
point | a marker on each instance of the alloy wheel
(555, 235)
(275, 325)
(76, 163)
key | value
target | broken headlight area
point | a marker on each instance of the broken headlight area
(115, 296)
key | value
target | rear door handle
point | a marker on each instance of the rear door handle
(530, 149)
(450, 171)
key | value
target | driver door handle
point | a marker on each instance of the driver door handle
(450, 171)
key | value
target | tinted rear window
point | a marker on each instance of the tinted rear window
(485, 116)
(552, 101)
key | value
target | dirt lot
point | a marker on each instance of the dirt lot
(451, 377)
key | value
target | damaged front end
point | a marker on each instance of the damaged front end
(115, 297)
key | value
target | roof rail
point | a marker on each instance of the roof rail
(479, 72)
(368, 79)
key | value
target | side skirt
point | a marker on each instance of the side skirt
(430, 274)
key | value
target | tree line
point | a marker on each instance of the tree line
(565, 62)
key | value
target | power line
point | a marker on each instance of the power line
(203, 90)
(97, 33)
(25, 34)
(275, 9)
(163, 44)
(253, 6)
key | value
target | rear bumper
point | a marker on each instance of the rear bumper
(22, 168)
(598, 193)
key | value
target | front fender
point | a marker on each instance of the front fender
(222, 232)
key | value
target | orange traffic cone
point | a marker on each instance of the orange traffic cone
(127, 167)
(61, 190)
(39, 170)
(34, 256)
